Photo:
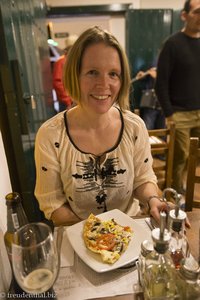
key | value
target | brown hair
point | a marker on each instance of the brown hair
(72, 69)
(187, 6)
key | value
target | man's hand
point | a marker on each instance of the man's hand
(152, 72)
(140, 75)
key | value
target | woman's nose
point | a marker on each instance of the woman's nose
(102, 80)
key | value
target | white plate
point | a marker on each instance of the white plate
(93, 260)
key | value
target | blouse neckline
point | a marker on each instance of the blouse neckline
(109, 150)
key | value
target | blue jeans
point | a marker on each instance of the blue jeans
(153, 118)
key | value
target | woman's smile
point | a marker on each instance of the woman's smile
(103, 97)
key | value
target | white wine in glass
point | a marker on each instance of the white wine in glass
(35, 258)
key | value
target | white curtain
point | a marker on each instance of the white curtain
(5, 269)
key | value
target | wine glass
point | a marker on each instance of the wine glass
(35, 258)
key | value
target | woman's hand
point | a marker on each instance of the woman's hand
(156, 206)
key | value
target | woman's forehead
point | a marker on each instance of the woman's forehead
(99, 50)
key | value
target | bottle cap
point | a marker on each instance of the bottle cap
(190, 268)
(161, 244)
(13, 197)
(146, 247)
(177, 220)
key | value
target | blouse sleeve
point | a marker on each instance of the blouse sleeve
(49, 189)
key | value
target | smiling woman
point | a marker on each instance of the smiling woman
(96, 156)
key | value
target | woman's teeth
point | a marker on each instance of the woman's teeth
(100, 97)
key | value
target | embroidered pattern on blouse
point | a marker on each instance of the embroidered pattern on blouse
(44, 169)
(95, 177)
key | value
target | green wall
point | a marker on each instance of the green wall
(146, 29)
(26, 90)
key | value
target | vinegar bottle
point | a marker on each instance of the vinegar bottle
(178, 245)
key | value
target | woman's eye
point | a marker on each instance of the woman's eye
(92, 72)
(114, 75)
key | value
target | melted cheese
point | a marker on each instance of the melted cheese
(94, 228)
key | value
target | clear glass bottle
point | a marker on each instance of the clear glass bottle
(189, 273)
(16, 218)
(160, 276)
(146, 249)
(178, 246)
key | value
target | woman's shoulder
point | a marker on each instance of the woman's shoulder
(134, 126)
(131, 119)
(53, 125)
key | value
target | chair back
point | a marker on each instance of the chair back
(192, 176)
(162, 143)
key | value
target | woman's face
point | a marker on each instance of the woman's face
(100, 78)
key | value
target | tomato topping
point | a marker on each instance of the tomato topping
(106, 241)
(127, 228)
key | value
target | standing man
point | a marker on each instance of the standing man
(178, 86)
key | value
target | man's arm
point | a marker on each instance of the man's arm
(162, 86)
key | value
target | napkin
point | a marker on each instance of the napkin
(67, 252)
(81, 282)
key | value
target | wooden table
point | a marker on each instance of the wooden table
(193, 238)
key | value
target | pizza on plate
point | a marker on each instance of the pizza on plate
(107, 238)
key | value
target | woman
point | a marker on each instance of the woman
(96, 156)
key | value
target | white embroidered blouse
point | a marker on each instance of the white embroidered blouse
(66, 174)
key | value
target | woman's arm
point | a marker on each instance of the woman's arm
(64, 216)
(148, 193)
(49, 189)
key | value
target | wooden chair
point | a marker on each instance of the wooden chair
(192, 176)
(162, 143)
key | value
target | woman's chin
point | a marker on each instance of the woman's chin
(101, 109)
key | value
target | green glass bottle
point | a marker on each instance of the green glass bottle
(16, 218)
